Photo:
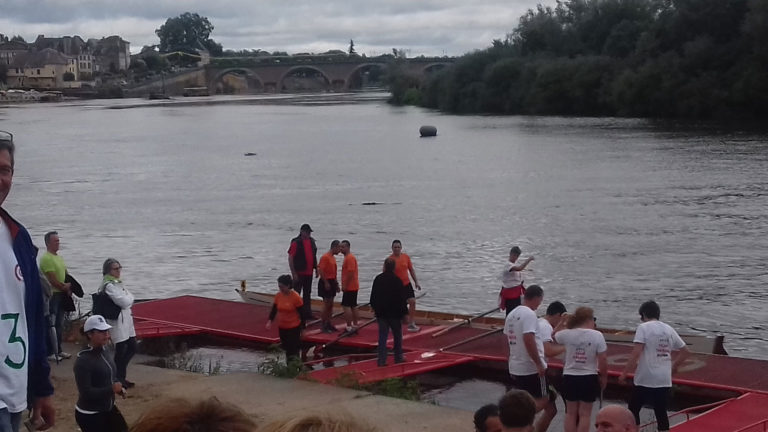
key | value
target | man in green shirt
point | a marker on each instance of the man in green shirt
(52, 265)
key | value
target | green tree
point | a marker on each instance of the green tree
(18, 38)
(186, 33)
(68, 76)
(3, 73)
(352, 47)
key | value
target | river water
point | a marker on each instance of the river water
(615, 211)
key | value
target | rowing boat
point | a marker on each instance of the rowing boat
(695, 343)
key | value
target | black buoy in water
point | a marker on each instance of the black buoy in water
(428, 131)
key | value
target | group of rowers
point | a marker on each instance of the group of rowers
(531, 339)
(585, 372)
(393, 297)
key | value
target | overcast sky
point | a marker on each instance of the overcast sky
(428, 27)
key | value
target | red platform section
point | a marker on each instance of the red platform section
(367, 371)
(747, 413)
(245, 321)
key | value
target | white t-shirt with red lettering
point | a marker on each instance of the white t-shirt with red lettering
(520, 321)
(654, 369)
(581, 348)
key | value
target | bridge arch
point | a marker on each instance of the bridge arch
(434, 67)
(249, 74)
(348, 80)
(294, 69)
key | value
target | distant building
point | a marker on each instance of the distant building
(75, 48)
(9, 50)
(112, 54)
(39, 69)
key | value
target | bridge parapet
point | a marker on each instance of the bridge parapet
(269, 73)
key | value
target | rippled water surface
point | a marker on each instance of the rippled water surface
(615, 211)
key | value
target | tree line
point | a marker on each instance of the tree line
(638, 58)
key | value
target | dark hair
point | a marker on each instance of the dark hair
(285, 280)
(396, 241)
(515, 251)
(346, 242)
(48, 236)
(389, 265)
(650, 309)
(482, 414)
(107, 266)
(556, 308)
(8, 145)
(334, 243)
(533, 292)
(517, 409)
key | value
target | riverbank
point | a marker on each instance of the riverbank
(261, 397)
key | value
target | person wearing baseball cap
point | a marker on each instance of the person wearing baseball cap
(97, 383)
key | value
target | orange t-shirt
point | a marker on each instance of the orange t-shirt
(349, 272)
(402, 265)
(287, 313)
(327, 266)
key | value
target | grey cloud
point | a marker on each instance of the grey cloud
(429, 27)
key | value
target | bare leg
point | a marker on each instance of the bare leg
(327, 310)
(571, 416)
(585, 416)
(348, 315)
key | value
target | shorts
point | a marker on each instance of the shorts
(408, 290)
(331, 286)
(580, 388)
(535, 384)
(349, 299)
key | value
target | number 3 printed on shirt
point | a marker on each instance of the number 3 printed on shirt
(15, 339)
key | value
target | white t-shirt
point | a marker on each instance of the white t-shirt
(545, 330)
(520, 321)
(14, 338)
(581, 349)
(511, 279)
(654, 369)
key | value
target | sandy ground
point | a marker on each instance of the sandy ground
(262, 397)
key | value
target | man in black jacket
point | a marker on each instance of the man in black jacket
(388, 303)
(302, 260)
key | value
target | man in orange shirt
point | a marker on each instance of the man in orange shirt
(403, 267)
(350, 285)
(327, 285)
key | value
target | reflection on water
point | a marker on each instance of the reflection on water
(616, 211)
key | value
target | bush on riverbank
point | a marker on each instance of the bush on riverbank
(644, 58)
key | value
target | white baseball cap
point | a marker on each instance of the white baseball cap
(96, 322)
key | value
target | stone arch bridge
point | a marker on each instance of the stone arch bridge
(276, 75)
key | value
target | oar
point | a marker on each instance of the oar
(336, 315)
(320, 348)
(465, 321)
(461, 342)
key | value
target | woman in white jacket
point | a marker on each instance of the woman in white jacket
(123, 333)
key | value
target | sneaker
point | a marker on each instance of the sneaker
(53, 357)
(332, 328)
(129, 384)
(413, 328)
(64, 355)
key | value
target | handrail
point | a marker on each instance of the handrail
(690, 410)
(763, 423)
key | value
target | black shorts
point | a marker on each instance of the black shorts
(331, 285)
(349, 299)
(535, 384)
(580, 388)
(409, 294)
